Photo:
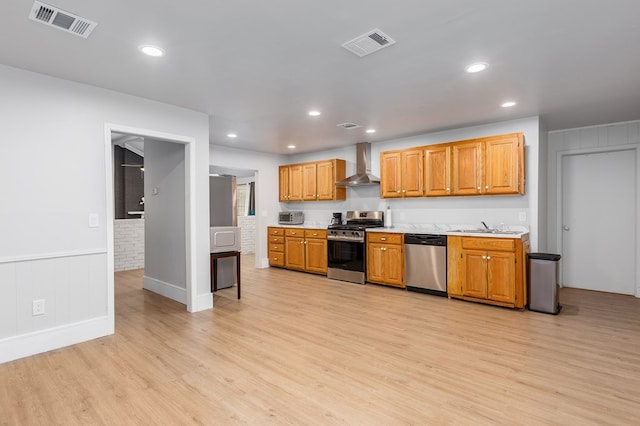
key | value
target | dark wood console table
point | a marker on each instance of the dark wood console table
(214, 268)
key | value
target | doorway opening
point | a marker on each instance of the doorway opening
(166, 208)
(598, 219)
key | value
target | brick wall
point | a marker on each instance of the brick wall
(128, 240)
(247, 225)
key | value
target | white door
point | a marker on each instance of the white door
(598, 221)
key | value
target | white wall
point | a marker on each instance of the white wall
(165, 267)
(588, 139)
(52, 177)
(440, 210)
(267, 205)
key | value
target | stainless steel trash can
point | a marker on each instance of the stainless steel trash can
(543, 282)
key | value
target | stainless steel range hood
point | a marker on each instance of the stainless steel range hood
(363, 174)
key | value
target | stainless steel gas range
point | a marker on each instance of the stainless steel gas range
(347, 255)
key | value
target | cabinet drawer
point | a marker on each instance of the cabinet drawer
(276, 240)
(276, 231)
(276, 247)
(276, 258)
(379, 237)
(488, 243)
(294, 232)
(315, 233)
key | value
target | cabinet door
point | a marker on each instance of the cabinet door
(502, 164)
(283, 183)
(390, 175)
(309, 182)
(393, 265)
(412, 175)
(375, 272)
(437, 171)
(316, 255)
(501, 276)
(294, 253)
(475, 273)
(325, 184)
(466, 168)
(295, 182)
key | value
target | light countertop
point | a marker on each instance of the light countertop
(461, 230)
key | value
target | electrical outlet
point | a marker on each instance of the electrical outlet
(522, 216)
(94, 220)
(38, 307)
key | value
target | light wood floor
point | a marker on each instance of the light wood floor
(301, 349)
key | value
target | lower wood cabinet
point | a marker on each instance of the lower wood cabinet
(298, 248)
(488, 270)
(385, 258)
(276, 246)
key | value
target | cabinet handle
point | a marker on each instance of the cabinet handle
(486, 187)
(484, 257)
(448, 189)
(383, 249)
(478, 188)
(383, 239)
(404, 190)
(488, 257)
(314, 234)
(275, 258)
(398, 191)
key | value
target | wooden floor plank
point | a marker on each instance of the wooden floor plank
(302, 349)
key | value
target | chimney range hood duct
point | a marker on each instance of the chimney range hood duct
(363, 174)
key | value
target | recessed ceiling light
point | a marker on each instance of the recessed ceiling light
(232, 135)
(291, 146)
(370, 130)
(476, 67)
(314, 113)
(508, 104)
(151, 50)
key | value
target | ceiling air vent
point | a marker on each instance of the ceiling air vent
(368, 43)
(348, 125)
(60, 19)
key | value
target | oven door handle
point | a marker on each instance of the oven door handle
(348, 240)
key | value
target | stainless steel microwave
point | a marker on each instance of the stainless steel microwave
(291, 218)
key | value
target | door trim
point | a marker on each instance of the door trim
(559, 213)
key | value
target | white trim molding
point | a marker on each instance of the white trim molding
(24, 345)
(165, 289)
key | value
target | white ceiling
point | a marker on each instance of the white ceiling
(256, 67)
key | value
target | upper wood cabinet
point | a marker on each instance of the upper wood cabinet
(504, 164)
(401, 173)
(437, 170)
(485, 166)
(314, 181)
(290, 183)
(467, 168)
(309, 182)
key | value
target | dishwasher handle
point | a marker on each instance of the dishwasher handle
(426, 239)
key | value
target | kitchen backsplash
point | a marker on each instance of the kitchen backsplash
(446, 210)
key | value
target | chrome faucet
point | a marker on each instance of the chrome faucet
(485, 225)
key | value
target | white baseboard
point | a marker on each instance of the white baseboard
(16, 347)
(264, 262)
(203, 302)
(165, 289)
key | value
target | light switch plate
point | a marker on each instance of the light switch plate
(94, 220)
(522, 216)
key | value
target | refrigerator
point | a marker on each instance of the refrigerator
(223, 221)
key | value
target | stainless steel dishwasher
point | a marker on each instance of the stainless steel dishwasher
(425, 261)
